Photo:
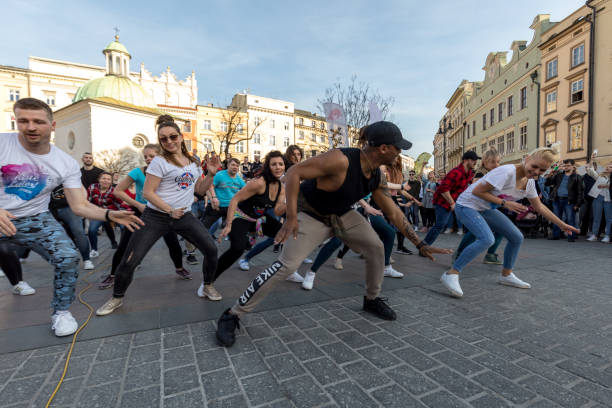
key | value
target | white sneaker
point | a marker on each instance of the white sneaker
(338, 264)
(94, 254)
(512, 280)
(88, 265)
(606, 239)
(460, 232)
(448, 231)
(2, 273)
(392, 273)
(592, 238)
(308, 261)
(308, 280)
(63, 324)
(23, 289)
(244, 265)
(451, 283)
(295, 277)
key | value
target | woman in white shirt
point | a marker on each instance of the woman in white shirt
(602, 205)
(169, 187)
(477, 208)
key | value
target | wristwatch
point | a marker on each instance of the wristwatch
(503, 203)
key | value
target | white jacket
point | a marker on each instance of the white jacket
(595, 191)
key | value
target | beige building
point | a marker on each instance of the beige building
(455, 116)
(602, 93)
(217, 126)
(564, 96)
(310, 133)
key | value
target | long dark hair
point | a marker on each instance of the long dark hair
(289, 153)
(265, 171)
(168, 121)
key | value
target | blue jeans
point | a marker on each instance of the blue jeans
(482, 224)
(94, 226)
(45, 236)
(469, 238)
(600, 206)
(265, 244)
(561, 206)
(412, 213)
(442, 216)
(197, 209)
(75, 224)
(325, 253)
(451, 222)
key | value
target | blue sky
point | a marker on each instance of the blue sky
(417, 52)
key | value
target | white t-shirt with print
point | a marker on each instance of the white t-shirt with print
(503, 180)
(177, 183)
(27, 179)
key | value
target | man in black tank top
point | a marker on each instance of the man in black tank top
(321, 208)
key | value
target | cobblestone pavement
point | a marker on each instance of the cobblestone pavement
(497, 347)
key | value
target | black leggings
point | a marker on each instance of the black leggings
(158, 224)
(9, 262)
(171, 240)
(239, 239)
(343, 251)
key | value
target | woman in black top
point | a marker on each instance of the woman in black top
(247, 211)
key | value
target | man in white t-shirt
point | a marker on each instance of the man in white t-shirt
(30, 168)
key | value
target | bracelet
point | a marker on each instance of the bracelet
(420, 245)
(106, 216)
(503, 203)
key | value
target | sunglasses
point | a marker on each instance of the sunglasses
(164, 139)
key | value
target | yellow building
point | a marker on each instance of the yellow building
(217, 126)
(310, 133)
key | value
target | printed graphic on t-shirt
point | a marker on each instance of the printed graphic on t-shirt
(25, 180)
(184, 180)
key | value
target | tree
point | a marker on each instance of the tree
(233, 131)
(354, 98)
(118, 161)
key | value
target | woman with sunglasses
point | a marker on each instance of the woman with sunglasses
(172, 178)
(136, 177)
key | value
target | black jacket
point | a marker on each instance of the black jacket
(575, 189)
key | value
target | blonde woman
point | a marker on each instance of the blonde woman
(477, 207)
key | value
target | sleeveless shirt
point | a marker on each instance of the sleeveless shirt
(256, 205)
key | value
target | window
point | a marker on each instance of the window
(187, 144)
(483, 147)
(187, 126)
(239, 128)
(492, 116)
(550, 136)
(12, 121)
(322, 125)
(285, 142)
(240, 147)
(551, 101)
(50, 99)
(500, 112)
(484, 121)
(492, 144)
(510, 142)
(510, 105)
(473, 128)
(313, 153)
(313, 137)
(272, 140)
(301, 121)
(576, 136)
(314, 124)
(256, 154)
(257, 121)
(286, 125)
(72, 140)
(551, 69)
(272, 123)
(576, 91)
(523, 135)
(577, 55)
(257, 138)
(500, 145)
(322, 138)
(207, 144)
(14, 95)
(523, 97)
(468, 130)
(301, 135)
(206, 124)
(224, 126)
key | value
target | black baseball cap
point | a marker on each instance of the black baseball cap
(470, 155)
(385, 133)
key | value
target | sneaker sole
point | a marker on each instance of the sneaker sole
(305, 288)
(513, 285)
(61, 334)
(24, 293)
(106, 313)
(451, 291)
(294, 280)
(393, 276)
(389, 318)
(491, 263)
(222, 343)
(184, 277)
(205, 296)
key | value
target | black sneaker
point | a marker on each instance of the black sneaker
(403, 251)
(277, 248)
(379, 308)
(226, 327)
(192, 260)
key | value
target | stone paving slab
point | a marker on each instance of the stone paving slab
(549, 346)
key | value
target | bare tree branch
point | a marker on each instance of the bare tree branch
(118, 161)
(236, 131)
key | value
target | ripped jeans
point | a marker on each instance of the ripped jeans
(44, 235)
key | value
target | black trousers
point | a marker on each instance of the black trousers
(211, 215)
(158, 224)
(239, 239)
(9, 261)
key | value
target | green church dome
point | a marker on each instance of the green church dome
(116, 87)
(116, 46)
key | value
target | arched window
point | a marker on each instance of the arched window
(139, 141)
(71, 140)
(117, 65)
(125, 67)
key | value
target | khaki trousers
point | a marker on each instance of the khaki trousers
(359, 236)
